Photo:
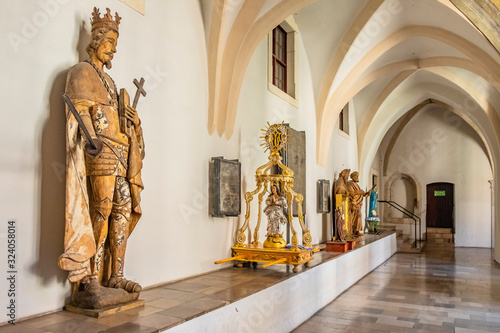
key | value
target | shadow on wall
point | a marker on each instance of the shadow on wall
(52, 174)
(52, 187)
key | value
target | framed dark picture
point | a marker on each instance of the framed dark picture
(224, 187)
(323, 196)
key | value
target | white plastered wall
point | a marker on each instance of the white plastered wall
(175, 237)
(437, 146)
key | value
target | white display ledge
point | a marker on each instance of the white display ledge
(284, 306)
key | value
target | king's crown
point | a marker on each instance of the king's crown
(106, 21)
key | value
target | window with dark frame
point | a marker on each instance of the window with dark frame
(344, 119)
(341, 120)
(279, 58)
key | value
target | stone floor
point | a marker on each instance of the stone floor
(174, 303)
(443, 289)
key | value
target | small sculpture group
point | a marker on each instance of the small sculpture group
(349, 199)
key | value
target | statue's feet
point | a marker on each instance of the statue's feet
(92, 287)
(119, 282)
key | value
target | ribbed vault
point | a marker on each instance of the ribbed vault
(405, 38)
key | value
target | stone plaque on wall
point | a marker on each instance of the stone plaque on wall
(323, 196)
(294, 157)
(225, 187)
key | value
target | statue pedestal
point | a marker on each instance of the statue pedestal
(106, 297)
(337, 247)
(352, 243)
(99, 313)
(270, 256)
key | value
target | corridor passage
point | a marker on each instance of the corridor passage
(443, 289)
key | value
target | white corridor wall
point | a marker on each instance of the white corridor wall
(438, 146)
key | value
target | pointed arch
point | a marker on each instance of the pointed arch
(414, 65)
(487, 109)
(231, 59)
(410, 114)
(353, 82)
(214, 55)
(416, 186)
(481, 126)
(256, 33)
(345, 45)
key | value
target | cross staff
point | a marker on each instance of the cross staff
(140, 91)
(124, 101)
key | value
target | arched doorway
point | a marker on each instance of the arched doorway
(405, 190)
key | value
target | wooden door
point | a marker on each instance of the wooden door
(440, 205)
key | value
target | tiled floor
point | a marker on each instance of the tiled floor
(443, 289)
(440, 290)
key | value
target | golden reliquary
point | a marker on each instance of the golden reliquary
(278, 209)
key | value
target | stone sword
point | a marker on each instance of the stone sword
(79, 120)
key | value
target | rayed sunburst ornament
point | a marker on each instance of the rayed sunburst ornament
(275, 137)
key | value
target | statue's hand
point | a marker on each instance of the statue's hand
(91, 151)
(131, 114)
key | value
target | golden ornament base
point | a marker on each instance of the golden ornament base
(274, 241)
(270, 256)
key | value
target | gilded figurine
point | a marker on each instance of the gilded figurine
(356, 194)
(103, 175)
(340, 234)
(341, 182)
(276, 210)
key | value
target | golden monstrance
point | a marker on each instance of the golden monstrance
(278, 209)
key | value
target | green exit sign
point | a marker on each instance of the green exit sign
(439, 193)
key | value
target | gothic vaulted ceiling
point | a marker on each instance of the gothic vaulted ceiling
(387, 56)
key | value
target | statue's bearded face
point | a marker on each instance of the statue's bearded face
(355, 177)
(107, 48)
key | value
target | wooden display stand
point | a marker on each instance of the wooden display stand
(257, 253)
(337, 247)
(341, 246)
(351, 243)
